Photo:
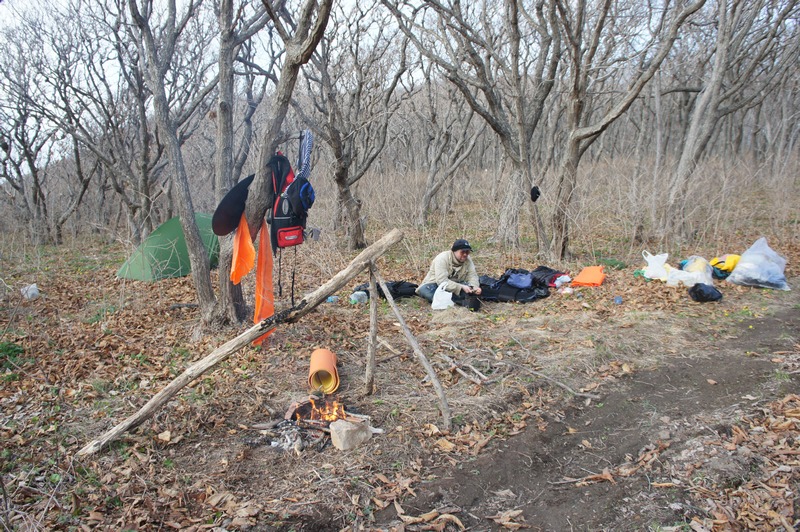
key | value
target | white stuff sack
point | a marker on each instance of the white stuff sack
(442, 299)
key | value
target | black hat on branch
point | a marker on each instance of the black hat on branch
(229, 211)
(461, 244)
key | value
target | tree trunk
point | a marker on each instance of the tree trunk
(352, 217)
(198, 257)
(231, 301)
(567, 179)
(700, 129)
(507, 233)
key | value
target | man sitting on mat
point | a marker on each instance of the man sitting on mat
(456, 271)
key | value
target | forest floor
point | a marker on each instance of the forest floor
(694, 424)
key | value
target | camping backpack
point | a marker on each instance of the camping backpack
(290, 198)
(398, 289)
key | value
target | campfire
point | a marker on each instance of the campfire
(307, 424)
(321, 411)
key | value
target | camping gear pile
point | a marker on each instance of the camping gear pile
(759, 266)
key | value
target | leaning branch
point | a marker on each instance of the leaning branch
(306, 305)
(444, 408)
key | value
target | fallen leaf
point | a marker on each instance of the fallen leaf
(697, 526)
(481, 444)
(239, 523)
(605, 475)
(424, 518)
(431, 429)
(445, 445)
(453, 519)
(399, 509)
(248, 509)
(96, 517)
(381, 504)
(220, 498)
(506, 519)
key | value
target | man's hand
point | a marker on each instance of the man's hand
(469, 290)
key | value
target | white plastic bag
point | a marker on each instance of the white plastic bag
(696, 270)
(760, 266)
(30, 292)
(655, 265)
(442, 299)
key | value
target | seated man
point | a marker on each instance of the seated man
(457, 272)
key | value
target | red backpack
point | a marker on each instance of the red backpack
(291, 197)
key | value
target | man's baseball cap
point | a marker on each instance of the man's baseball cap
(461, 244)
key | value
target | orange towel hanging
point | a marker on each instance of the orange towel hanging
(265, 295)
(244, 254)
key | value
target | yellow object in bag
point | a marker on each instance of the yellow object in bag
(726, 263)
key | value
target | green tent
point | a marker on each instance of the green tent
(163, 254)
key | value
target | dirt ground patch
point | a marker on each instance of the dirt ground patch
(526, 477)
(694, 412)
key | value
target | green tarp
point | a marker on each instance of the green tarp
(163, 254)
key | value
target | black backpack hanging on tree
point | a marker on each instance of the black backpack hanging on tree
(290, 199)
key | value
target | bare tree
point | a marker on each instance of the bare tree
(85, 79)
(159, 41)
(37, 162)
(301, 37)
(449, 136)
(755, 45)
(25, 157)
(503, 59)
(235, 30)
(352, 82)
(591, 37)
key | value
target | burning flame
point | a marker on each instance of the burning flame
(327, 411)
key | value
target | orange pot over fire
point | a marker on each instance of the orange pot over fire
(322, 374)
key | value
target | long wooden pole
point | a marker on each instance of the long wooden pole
(444, 408)
(372, 343)
(306, 305)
